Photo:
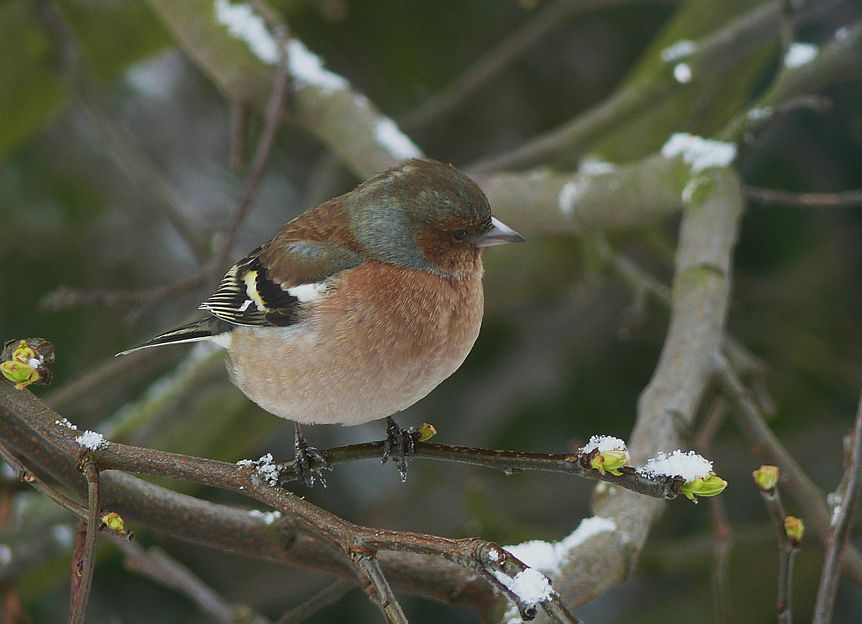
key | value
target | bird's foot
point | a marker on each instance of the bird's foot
(400, 445)
(303, 457)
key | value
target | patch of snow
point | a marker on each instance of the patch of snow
(689, 466)
(759, 114)
(307, 68)
(680, 49)
(64, 422)
(593, 165)
(389, 136)
(268, 517)
(549, 556)
(265, 467)
(800, 54)
(512, 615)
(569, 196)
(531, 586)
(682, 73)
(604, 443)
(244, 24)
(91, 440)
(697, 152)
(833, 499)
(494, 555)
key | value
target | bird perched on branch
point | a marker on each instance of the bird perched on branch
(360, 306)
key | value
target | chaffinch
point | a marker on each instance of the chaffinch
(358, 307)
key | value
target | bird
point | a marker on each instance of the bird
(358, 307)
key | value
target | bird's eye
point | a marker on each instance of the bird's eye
(459, 235)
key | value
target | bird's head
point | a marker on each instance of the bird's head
(427, 215)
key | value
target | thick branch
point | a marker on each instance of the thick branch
(27, 426)
(666, 408)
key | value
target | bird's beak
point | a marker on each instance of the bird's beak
(499, 234)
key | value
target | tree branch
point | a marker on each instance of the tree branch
(26, 422)
(156, 565)
(84, 565)
(840, 528)
(377, 587)
(330, 594)
(766, 446)
(787, 549)
(771, 197)
(666, 407)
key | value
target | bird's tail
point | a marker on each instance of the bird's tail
(204, 329)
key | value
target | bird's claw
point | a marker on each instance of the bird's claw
(400, 445)
(304, 455)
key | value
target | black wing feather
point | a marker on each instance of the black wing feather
(246, 296)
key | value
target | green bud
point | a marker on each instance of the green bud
(710, 485)
(21, 374)
(766, 477)
(794, 529)
(114, 521)
(25, 364)
(610, 461)
(426, 431)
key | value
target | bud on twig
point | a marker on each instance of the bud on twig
(766, 477)
(27, 362)
(794, 528)
(710, 485)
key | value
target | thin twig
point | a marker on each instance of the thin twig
(239, 117)
(87, 563)
(765, 445)
(508, 462)
(787, 549)
(641, 280)
(63, 297)
(11, 610)
(721, 598)
(723, 532)
(156, 565)
(377, 587)
(770, 197)
(27, 477)
(273, 117)
(840, 529)
(330, 594)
